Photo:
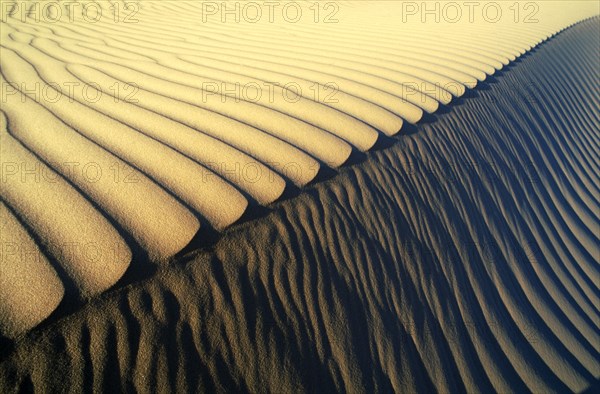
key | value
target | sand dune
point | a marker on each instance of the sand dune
(29, 286)
(443, 230)
(91, 252)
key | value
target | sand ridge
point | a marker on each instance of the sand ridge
(462, 258)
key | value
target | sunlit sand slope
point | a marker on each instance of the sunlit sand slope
(460, 257)
(29, 285)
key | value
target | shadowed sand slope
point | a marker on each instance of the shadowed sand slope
(461, 257)
(162, 123)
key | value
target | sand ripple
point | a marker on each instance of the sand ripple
(462, 257)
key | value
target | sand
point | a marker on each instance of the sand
(433, 228)
(29, 284)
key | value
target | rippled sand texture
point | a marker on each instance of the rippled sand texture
(460, 255)
(124, 133)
